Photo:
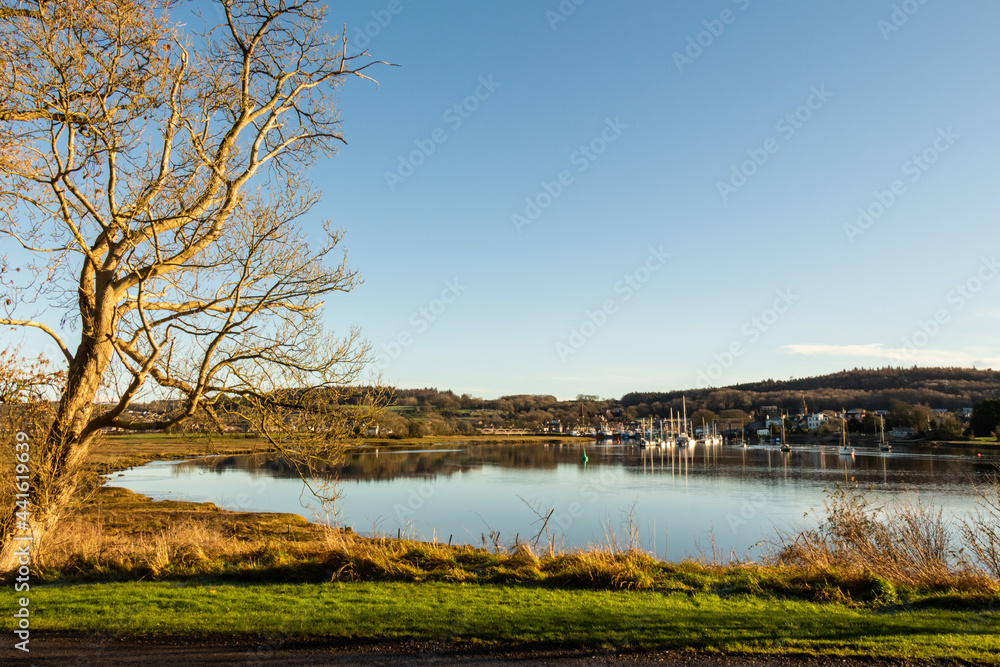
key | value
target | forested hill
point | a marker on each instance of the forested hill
(872, 389)
(883, 379)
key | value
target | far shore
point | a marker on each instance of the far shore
(117, 452)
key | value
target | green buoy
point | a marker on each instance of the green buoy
(583, 457)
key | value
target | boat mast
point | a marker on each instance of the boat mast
(684, 407)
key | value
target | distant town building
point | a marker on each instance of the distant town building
(814, 420)
(799, 421)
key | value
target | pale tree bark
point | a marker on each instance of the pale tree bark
(155, 175)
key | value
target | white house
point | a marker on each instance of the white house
(814, 420)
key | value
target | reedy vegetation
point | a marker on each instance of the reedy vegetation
(862, 553)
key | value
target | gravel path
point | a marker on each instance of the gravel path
(80, 650)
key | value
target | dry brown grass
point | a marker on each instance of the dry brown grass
(115, 452)
(82, 545)
(357, 558)
(121, 535)
(630, 570)
(981, 531)
(905, 542)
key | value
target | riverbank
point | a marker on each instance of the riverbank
(116, 452)
(441, 440)
(872, 442)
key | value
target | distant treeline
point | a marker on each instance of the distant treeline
(420, 412)
(871, 389)
(429, 411)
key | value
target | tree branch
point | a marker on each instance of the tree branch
(44, 327)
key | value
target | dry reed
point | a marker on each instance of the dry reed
(905, 542)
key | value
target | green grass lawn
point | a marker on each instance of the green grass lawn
(520, 615)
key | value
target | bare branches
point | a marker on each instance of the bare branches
(128, 154)
(44, 327)
(26, 381)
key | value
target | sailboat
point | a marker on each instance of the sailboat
(646, 434)
(605, 433)
(883, 445)
(713, 437)
(656, 435)
(683, 439)
(785, 447)
(845, 446)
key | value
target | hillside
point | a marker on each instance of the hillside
(871, 389)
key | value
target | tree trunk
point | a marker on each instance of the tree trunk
(57, 457)
(13, 550)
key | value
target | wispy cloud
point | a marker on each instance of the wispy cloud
(922, 357)
(867, 350)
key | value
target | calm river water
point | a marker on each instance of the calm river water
(679, 498)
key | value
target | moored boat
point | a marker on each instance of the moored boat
(883, 445)
(845, 445)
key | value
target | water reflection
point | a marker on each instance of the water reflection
(680, 493)
(913, 467)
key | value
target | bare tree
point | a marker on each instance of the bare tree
(154, 175)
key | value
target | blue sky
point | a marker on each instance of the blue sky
(770, 271)
(604, 197)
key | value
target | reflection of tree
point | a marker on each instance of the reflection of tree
(368, 465)
(356, 467)
(731, 464)
(263, 465)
